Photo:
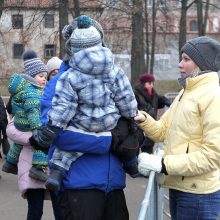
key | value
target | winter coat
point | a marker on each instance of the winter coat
(97, 168)
(147, 103)
(190, 131)
(93, 93)
(25, 160)
(25, 101)
(3, 118)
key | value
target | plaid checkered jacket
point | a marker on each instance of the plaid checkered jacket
(93, 93)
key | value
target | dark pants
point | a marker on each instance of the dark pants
(57, 210)
(190, 206)
(35, 199)
(94, 205)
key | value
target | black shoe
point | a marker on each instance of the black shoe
(38, 173)
(54, 181)
(132, 170)
(10, 168)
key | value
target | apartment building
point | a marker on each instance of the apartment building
(35, 24)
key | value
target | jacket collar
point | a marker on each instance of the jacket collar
(210, 77)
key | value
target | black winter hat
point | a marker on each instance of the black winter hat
(204, 51)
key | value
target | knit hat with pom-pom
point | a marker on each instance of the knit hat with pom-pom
(34, 66)
(85, 35)
(29, 54)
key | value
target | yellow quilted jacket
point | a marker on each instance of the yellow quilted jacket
(190, 130)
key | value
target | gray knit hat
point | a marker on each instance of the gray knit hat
(68, 30)
(34, 66)
(85, 35)
(204, 51)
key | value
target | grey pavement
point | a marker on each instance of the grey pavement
(13, 206)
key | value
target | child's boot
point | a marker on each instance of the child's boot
(54, 180)
(38, 172)
(10, 168)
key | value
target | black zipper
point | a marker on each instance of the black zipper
(187, 150)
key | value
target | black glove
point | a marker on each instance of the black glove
(125, 139)
(43, 137)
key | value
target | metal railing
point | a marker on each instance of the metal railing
(152, 206)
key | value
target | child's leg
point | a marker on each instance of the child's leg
(14, 153)
(39, 168)
(60, 163)
(10, 165)
(127, 149)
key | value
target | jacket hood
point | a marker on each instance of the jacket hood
(16, 83)
(94, 60)
(19, 82)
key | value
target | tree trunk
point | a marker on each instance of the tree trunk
(63, 20)
(200, 17)
(182, 31)
(137, 47)
(205, 18)
(154, 33)
(76, 8)
(1, 7)
(147, 45)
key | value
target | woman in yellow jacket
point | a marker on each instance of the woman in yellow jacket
(190, 131)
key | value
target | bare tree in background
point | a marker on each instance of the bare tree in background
(202, 14)
(63, 20)
(137, 46)
(182, 31)
(154, 33)
(1, 7)
(147, 39)
(76, 8)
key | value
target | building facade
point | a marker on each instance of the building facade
(34, 24)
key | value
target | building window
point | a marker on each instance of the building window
(112, 2)
(49, 50)
(193, 25)
(18, 49)
(162, 62)
(178, 3)
(17, 21)
(49, 21)
(215, 25)
(149, 3)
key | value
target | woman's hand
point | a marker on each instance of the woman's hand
(140, 117)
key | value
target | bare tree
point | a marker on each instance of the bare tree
(76, 8)
(147, 40)
(182, 31)
(1, 7)
(202, 14)
(137, 49)
(154, 33)
(63, 20)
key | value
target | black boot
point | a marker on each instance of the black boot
(10, 168)
(54, 181)
(38, 172)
